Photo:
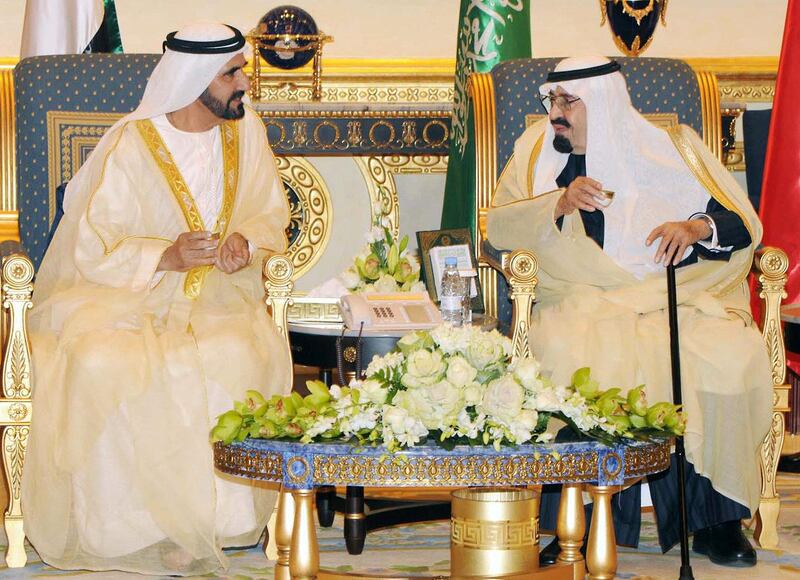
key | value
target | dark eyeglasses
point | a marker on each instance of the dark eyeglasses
(563, 102)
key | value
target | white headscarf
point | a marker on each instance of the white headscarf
(178, 80)
(629, 156)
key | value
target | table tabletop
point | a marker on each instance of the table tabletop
(297, 465)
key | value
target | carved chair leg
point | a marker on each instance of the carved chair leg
(766, 533)
(15, 441)
(270, 545)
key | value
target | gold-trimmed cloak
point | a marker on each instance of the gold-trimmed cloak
(131, 370)
(591, 312)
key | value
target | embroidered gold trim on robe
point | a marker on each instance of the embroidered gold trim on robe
(229, 134)
(532, 162)
(700, 171)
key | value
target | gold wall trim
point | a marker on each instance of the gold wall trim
(748, 79)
(8, 143)
(312, 215)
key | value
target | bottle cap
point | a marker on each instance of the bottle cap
(451, 261)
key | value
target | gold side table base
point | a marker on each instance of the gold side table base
(554, 572)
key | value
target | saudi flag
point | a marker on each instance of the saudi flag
(69, 27)
(489, 31)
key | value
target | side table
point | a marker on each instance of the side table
(299, 468)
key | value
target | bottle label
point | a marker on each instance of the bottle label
(451, 303)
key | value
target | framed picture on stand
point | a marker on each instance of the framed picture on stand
(434, 247)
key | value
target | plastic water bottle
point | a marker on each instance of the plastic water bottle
(452, 293)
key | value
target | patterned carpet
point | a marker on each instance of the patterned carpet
(422, 549)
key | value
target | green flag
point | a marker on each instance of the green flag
(107, 38)
(489, 31)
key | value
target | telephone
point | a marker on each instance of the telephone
(398, 311)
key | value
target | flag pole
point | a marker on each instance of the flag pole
(677, 399)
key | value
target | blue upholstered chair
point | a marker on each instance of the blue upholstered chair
(667, 91)
(64, 104)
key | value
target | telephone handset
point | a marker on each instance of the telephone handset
(399, 311)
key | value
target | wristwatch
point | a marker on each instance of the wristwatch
(711, 226)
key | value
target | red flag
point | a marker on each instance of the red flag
(780, 191)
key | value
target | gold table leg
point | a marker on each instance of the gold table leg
(283, 534)
(601, 553)
(571, 528)
(304, 554)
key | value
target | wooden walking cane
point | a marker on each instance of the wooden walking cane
(677, 399)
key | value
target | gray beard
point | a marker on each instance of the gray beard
(562, 144)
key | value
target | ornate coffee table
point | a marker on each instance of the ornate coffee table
(299, 468)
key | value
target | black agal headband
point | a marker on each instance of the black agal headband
(231, 44)
(583, 73)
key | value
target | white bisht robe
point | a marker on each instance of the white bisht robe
(594, 310)
(131, 367)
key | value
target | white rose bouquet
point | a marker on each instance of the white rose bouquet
(384, 264)
(452, 385)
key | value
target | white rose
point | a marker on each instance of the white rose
(527, 371)
(415, 403)
(350, 279)
(418, 287)
(373, 391)
(483, 351)
(548, 400)
(446, 400)
(503, 399)
(459, 371)
(423, 368)
(473, 394)
(386, 284)
(412, 341)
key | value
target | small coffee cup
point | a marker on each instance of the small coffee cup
(605, 197)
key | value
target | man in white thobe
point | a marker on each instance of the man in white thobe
(601, 299)
(149, 321)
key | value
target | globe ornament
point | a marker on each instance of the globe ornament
(633, 22)
(289, 37)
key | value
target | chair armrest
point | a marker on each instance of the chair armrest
(770, 266)
(519, 267)
(494, 257)
(278, 271)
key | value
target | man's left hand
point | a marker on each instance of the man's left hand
(676, 237)
(234, 254)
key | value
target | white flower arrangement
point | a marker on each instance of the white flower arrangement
(384, 265)
(451, 385)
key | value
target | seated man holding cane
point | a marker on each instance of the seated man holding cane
(605, 200)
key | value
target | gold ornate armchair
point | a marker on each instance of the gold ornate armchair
(497, 125)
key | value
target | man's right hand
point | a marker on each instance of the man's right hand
(190, 250)
(583, 193)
